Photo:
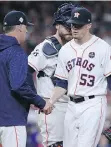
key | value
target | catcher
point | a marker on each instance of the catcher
(43, 60)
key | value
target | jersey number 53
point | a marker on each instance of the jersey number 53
(87, 80)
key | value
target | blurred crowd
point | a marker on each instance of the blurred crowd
(41, 14)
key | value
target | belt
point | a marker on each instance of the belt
(57, 144)
(81, 99)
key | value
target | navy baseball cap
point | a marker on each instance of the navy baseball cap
(16, 18)
(80, 15)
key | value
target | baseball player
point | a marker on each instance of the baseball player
(16, 94)
(84, 63)
(43, 60)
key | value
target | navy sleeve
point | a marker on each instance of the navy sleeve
(61, 83)
(109, 82)
(19, 78)
(30, 80)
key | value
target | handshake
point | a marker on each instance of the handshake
(48, 108)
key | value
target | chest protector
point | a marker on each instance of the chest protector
(51, 49)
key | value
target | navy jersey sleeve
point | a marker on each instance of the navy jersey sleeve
(61, 83)
(30, 79)
(19, 78)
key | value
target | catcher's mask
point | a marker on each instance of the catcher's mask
(63, 14)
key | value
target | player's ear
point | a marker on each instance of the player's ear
(19, 28)
(57, 26)
(89, 26)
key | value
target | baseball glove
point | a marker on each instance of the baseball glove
(107, 133)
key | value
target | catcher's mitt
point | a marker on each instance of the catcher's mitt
(107, 133)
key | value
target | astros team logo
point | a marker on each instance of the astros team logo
(91, 55)
(76, 14)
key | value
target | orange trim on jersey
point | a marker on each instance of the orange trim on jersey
(60, 77)
(106, 75)
(33, 66)
(73, 48)
(16, 136)
(47, 135)
(82, 57)
(80, 67)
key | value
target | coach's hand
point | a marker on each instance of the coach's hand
(48, 108)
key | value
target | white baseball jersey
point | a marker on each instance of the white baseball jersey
(40, 62)
(85, 66)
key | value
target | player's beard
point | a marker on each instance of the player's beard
(65, 37)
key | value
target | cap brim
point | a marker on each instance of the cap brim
(71, 21)
(30, 24)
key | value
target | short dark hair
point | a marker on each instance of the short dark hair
(8, 29)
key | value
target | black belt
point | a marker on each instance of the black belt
(57, 144)
(81, 99)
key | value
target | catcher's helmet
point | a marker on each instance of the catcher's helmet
(63, 14)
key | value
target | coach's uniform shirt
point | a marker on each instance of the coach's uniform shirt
(16, 95)
(51, 125)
